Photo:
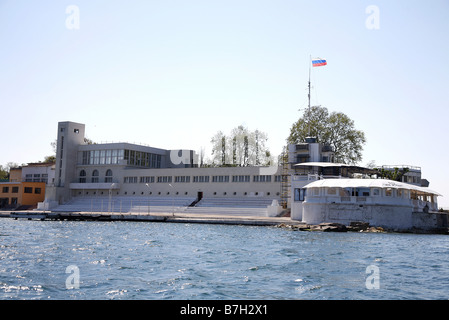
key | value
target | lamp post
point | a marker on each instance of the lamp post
(110, 196)
(148, 198)
(173, 200)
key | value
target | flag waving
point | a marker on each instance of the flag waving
(318, 62)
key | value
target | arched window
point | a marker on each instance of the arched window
(108, 177)
(95, 176)
(82, 176)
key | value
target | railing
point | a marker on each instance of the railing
(402, 166)
(420, 205)
(312, 177)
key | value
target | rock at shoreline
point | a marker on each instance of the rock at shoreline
(360, 226)
(332, 227)
(356, 226)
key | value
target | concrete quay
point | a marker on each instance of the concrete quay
(155, 217)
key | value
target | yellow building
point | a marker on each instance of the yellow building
(14, 195)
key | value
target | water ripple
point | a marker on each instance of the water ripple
(126, 260)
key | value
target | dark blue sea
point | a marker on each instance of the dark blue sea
(42, 260)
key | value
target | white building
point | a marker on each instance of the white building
(39, 172)
(129, 170)
(380, 202)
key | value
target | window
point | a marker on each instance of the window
(130, 180)
(241, 178)
(146, 179)
(102, 156)
(362, 192)
(96, 155)
(37, 190)
(376, 192)
(164, 179)
(388, 192)
(220, 178)
(95, 176)
(142, 159)
(406, 194)
(182, 179)
(262, 178)
(300, 194)
(15, 189)
(108, 156)
(332, 191)
(108, 177)
(5, 189)
(345, 192)
(315, 191)
(201, 179)
(28, 190)
(82, 176)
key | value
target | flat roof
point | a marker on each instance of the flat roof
(367, 183)
(321, 164)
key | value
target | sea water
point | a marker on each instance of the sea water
(143, 260)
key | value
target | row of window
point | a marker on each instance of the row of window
(13, 190)
(114, 156)
(95, 176)
(206, 179)
(25, 190)
(299, 194)
(102, 157)
(176, 193)
(36, 177)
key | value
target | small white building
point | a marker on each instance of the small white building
(39, 172)
(380, 202)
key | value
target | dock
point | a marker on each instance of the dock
(157, 217)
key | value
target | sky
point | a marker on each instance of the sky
(172, 73)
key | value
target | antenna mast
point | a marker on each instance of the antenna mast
(310, 62)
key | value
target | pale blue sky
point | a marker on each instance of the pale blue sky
(172, 73)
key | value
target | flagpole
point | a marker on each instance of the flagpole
(310, 62)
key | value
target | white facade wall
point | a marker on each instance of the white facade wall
(382, 207)
(187, 182)
(175, 176)
(39, 173)
(381, 215)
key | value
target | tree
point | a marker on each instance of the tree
(49, 159)
(5, 170)
(4, 173)
(241, 148)
(395, 175)
(335, 129)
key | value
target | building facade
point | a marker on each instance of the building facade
(26, 186)
(14, 195)
(124, 169)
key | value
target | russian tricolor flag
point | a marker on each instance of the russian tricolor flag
(319, 62)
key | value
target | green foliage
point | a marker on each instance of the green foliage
(335, 129)
(395, 175)
(240, 148)
(4, 174)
